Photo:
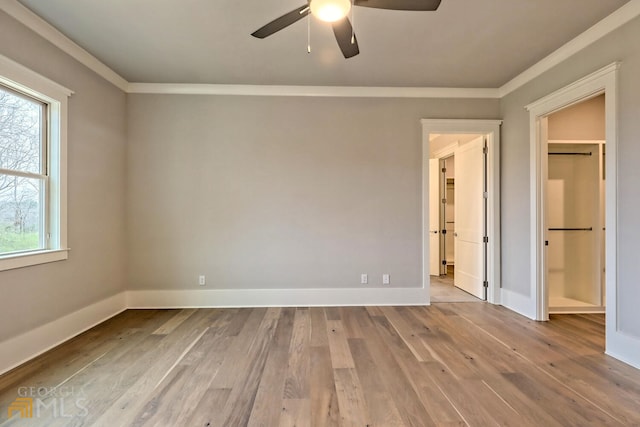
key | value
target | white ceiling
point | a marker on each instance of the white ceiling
(466, 43)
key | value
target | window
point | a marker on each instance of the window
(23, 173)
(32, 168)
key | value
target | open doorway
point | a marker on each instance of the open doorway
(461, 212)
(575, 208)
(448, 245)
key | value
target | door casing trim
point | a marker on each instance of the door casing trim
(491, 128)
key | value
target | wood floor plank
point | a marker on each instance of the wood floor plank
(235, 360)
(350, 322)
(558, 403)
(76, 353)
(323, 398)
(267, 405)
(400, 387)
(134, 398)
(382, 409)
(238, 409)
(408, 332)
(177, 396)
(340, 353)
(297, 377)
(295, 413)
(174, 322)
(207, 413)
(318, 327)
(353, 408)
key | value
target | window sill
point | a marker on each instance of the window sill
(9, 262)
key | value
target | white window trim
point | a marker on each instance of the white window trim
(18, 77)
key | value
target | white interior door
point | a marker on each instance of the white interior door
(470, 217)
(434, 217)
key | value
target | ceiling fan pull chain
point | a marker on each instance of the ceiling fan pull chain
(353, 22)
(309, 35)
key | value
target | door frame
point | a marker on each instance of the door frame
(491, 128)
(597, 83)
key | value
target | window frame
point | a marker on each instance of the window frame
(20, 79)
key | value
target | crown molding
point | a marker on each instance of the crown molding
(590, 81)
(315, 91)
(41, 27)
(612, 22)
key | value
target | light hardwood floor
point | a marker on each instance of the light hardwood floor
(443, 290)
(443, 365)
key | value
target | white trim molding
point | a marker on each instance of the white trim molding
(227, 298)
(26, 259)
(22, 348)
(41, 27)
(624, 347)
(457, 126)
(28, 81)
(519, 303)
(615, 20)
(316, 91)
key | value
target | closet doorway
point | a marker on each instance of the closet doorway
(575, 208)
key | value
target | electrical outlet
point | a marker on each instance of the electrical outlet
(201, 280)
(364, 279)
(386, 279)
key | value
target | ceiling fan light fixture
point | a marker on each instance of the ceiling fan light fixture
(330, 10)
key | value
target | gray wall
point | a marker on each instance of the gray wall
(278, 192)
(95, 269)
(620, 45)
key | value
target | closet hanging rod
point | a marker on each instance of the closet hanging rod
(571, 229)
(570, 154)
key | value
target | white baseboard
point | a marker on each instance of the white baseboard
(623, 347)
(276, 297)
(521, 304)
(22, 348)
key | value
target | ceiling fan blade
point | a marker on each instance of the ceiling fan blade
(424, 5)
(343, 32)
(282, 22)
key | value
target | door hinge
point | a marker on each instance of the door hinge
(444, 262)
(485, 239)
(444, 170)
(485, 284)
(485, 194)
(444, 201)
(485, 150)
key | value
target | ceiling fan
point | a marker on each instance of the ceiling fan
(335, 12)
